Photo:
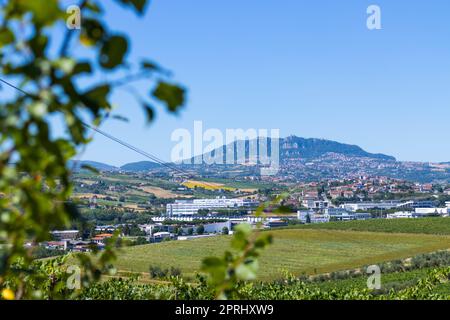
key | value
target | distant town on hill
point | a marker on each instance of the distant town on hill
(302, 159)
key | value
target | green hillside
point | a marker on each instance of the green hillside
(296, 250)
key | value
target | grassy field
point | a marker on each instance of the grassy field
(300, 251)
(435, 226)
(162, 193)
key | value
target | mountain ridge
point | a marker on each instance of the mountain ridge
(291, 147)
(77, 165)
(298, 148)
(305, 159)
(314, 148)
(140, 166)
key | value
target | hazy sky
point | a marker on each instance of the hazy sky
(310, 68)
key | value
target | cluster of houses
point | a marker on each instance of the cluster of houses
(70, 240)
(322, 195)
(351, 188)
(354, 211)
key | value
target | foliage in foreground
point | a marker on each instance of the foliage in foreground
(52, 87)
(35, 180)
(290, 288)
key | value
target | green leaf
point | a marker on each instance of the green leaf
(96, 98)
(38, 44)
(92, 6)
(212, 262)
(146, 64)
(263, 241)
(6, 37)
(152, 66)
(98, 94)
(243, 228)
(138, 5)
(38, 109)
(113, 51)
(45, 12)
(66, 65)
(72, 210)
(120, 118)
(90, 168)
(82, 67)
(92, 32)
(241, 232)
(247, 271)
(173, 96)
(216, 268)
(150, 113)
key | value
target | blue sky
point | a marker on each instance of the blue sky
(309, 68)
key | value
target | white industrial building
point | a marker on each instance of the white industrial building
(401, 215)
(217, 227)
(313, 217)
(65, 234)
(191, 207)
(441, 211)
(405, 215)
(335, 211)
(385, 205)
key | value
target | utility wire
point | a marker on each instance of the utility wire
(107, 135)
(135, 149)
(14, 87)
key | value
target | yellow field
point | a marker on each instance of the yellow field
(191, 184)
(162, 193)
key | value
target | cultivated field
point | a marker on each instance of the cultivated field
(435, 226)
(191, 184)
(296, 250)
(162, 193)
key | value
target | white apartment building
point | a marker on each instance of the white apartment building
(191, 207)
(315, 204)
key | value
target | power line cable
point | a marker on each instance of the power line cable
(135, 149)
(121, 142)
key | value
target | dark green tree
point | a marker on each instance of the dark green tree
(308, 218)
(200, 229)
